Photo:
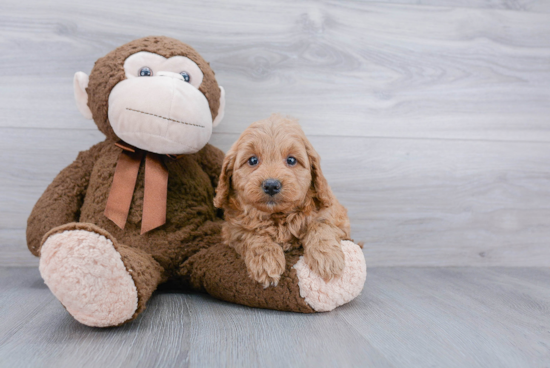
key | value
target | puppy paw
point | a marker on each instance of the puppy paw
(266, 265)
(325, 259)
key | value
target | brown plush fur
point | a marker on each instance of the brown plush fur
(187, 250)
(79, 194)
(305, 213)
(109, 70)
(222, 273)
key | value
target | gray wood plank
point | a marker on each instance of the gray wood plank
(538, 6)
(414, 317)
(442, 110)
(432, 121)
(494, 305)
(343, 68)
(59, 341)
(412, 201)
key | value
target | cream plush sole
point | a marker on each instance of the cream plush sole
(325, 296)
(85, 272)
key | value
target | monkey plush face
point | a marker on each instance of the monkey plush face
(155, 93)
(159, 107)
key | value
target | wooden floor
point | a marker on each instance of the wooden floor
(432, 118)
(406, 317)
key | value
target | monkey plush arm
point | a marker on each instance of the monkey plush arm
(61, 202)
(211, 159)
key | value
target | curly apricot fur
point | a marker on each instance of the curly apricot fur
(304, 214)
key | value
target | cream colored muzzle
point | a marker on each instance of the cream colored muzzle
(161, 114)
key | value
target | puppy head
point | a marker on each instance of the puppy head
(272, 167)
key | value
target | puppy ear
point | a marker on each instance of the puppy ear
(224, 184)
(318, 181)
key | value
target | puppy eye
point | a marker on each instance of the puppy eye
(253, 161)
(186, 76)
(145, 72)
(291, 161)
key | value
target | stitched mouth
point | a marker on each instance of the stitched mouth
(165, 118)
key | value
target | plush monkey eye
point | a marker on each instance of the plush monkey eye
(291, 161)
(145, 72)
(253, 161)
(186, 76)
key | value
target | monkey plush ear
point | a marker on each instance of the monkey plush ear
(221, 109)
(80, 83)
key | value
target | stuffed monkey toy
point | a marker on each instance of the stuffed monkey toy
(136, 210)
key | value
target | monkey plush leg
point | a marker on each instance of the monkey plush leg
(101, 283)
(220, 272)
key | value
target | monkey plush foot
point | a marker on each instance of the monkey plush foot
(86, 273)
(325, 296)
(220, 272)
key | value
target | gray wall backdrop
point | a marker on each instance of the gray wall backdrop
(432, 119)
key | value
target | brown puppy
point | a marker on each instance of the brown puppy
(276, 198)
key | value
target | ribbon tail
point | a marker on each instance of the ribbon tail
(122, 188)
(155, 193)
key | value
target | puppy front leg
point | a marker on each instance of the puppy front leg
(264, 259)
(323, 251)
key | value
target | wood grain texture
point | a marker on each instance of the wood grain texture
(413, 202)
(539, 6)
(343, 68)
(432, 117)
(405, 317)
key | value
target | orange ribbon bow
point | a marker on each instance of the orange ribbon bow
(124, 183)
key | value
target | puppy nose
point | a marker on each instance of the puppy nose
(271, 186)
